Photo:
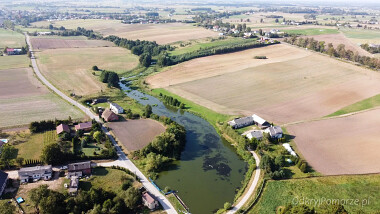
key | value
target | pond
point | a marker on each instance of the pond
(209, 171)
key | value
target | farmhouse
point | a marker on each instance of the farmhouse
(255, 134)
(79, 169)
(116, 108)
(274, 132)
(35, 173)
(74, 183)
(241, 122)
(149, 200)
(13, 51)
(260, 122)
(63, 128)
(84, 126)
(3, 181)
(108, 115)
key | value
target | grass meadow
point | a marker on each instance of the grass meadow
(368, 103)
(312, 31)
(365, 188)
(11, 39)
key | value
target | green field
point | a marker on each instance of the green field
(9, 62)
(361, 187)
(209, 115)
(209, 44)
(91, 148)
(31, 29)
(107, 179)
(31, 147)
(361, 34)
(11, 39)
(312, 31)
(359, 106)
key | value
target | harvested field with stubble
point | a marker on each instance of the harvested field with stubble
(23, 99)
(161, 33)
(291, 85)
(136, 134)
(69, 69)
(346, 145)
(46, 43)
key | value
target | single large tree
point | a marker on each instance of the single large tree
(52, 154)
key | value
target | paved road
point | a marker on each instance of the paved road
(251, 189)
(123, 159)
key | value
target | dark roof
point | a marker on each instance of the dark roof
(275, 130)
(3, 177)
(243, 120)
(79, 166)
(256, 134)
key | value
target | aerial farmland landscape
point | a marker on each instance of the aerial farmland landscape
(257, 107)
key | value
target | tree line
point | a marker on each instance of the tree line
(339, 51)
(372, 49)
(166, 60)
(172, 101)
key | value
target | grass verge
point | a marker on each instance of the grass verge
(359, 106)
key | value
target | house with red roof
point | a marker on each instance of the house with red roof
(63, 128)
(84, 126)
(149, 201)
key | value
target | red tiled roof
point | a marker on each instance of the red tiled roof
(10, 49)
(148, 197)
(86, 125)
(63, 128)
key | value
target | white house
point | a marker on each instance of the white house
(116, 108)
(255, 134)
(274, 132)
(35, 173)
(289, 149)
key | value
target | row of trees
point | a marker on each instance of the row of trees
(372, 49)
(339, 52)
(166, 60)
(47, 125)
(94, 201)
(139, 47)
(172, 101)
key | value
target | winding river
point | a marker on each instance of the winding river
(209, 170)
